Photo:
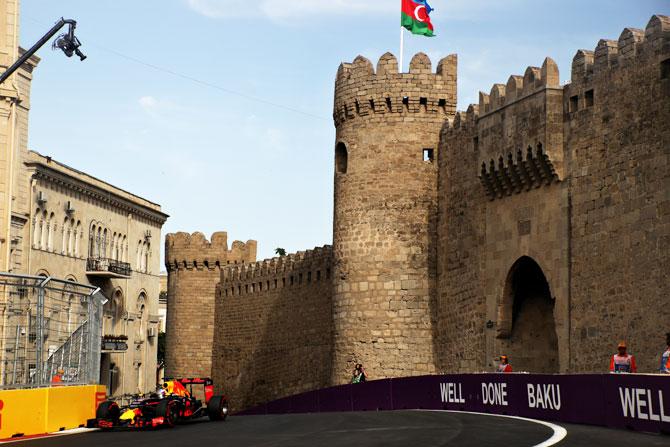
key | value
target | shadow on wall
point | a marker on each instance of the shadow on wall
(274, 334)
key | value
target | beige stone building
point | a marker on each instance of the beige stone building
(162, 301)
(60, 222)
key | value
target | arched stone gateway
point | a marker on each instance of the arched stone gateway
(526, 326)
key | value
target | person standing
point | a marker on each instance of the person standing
(622, 362)
(504, 366)
(665, 357)
(58, 377)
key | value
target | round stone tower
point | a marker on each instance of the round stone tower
(384, 235)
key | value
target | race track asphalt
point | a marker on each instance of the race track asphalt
(388, 429)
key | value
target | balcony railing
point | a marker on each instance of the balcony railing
(107, 267)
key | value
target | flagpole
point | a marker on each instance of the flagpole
(402, 47)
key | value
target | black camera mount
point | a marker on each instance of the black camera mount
(67, 42)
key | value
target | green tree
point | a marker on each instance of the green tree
(280, 252)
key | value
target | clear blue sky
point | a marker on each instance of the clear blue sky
(220, 161)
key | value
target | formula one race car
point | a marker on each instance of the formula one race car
(173, 404)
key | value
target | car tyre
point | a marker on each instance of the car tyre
(217, 408)
(169, 410)
(109, 411)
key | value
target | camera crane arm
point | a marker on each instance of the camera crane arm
(67, 42)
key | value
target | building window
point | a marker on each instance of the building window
(91, 242)
(52, 229)
(428, 155)
(588, 98)
(98, 241)
(43, 231)
(71, 237)
(77, 236)
(341, 158)
(574, 104)
(64, 237)
(36, 229)
(665, 69)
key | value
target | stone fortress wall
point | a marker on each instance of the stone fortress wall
(194, 266)
(536, 224)
(574, 177)
(617, 110)
(274, 324)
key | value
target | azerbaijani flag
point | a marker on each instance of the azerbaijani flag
(414, 16)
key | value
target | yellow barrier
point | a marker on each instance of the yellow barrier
(44, 410)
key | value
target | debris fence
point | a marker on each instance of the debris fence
(50, 331)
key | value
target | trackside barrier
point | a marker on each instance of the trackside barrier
(638, 402)
(45, 410)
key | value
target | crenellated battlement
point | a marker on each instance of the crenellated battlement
(632, 45)
(194, 251)
(518, 87)
(463, 121)
(285, 271)
(362, 92)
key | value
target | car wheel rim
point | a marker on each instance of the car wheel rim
(171, 414)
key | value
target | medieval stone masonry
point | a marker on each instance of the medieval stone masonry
(534, 224)
(194, 269)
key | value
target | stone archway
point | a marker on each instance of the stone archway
(526, 325)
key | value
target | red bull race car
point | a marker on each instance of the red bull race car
(174, 403)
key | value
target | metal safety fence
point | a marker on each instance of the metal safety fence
(50, 331)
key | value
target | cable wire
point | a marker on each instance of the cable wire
(195, 80)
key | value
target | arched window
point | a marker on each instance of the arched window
(36, 228)
(124, 249)
(63, 249)
(104, 243)
(51, 226)
(115, 309)
(141, 306)
(43, 231)
(341, 158)
(138, 256)
(70, 238)
(98, 242)
(91, 241)
(77, 237)
(147, 255)
(72, 303)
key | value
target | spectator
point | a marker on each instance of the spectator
(359, 375)
(504, 366)
(665, 357)
(622, 362)
(58, 377)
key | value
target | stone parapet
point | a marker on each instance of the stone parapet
(361, 93)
